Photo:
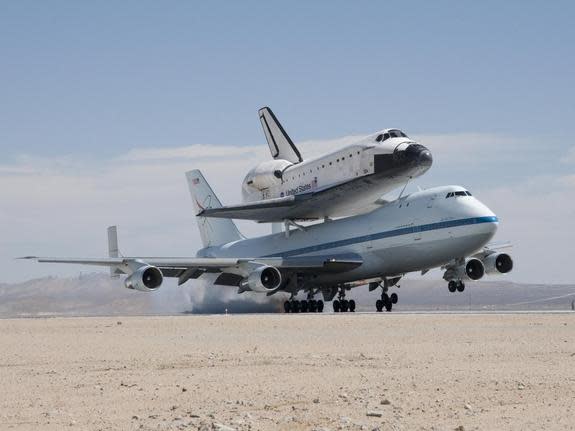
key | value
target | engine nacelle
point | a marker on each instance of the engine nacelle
(264, 279)
(498, 263)
(472, 269)
(145, 279)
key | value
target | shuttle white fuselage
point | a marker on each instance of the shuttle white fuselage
(343, 182)
(371, 167)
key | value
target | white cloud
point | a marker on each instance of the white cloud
(61, 206)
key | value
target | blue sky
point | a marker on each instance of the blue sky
(83, 84)
(103, 77)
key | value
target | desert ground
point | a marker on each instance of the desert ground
(289, 372)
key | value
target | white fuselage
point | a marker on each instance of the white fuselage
(421, 231)
(365, 159)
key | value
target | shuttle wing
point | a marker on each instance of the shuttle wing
(305, 206)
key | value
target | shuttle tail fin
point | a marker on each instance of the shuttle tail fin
(213, 231)
(281, 146)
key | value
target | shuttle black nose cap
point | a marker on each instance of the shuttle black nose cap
(425, 158)
(416, 154)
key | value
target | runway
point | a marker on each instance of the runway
(387, 371)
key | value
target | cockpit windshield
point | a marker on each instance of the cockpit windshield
(393, 133)
(454, 194)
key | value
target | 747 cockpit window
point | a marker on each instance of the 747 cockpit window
(453, 194)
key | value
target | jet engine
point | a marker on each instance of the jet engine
(472, 269)
(264, 279)
(497, 263)
(145, 279)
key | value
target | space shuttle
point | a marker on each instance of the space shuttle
(347, 181)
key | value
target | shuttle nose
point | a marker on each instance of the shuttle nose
(415, 154)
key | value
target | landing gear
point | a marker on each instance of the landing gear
(309, 305)
(342, 304)
(386, 300)
(454, 285)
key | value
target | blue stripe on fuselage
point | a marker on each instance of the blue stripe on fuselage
(387, 234)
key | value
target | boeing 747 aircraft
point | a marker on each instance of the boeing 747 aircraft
(343, 182)
(443, 227)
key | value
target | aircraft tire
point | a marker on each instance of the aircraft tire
(287, 306)
(320, 306)
(460, 286)
(344, 305)
(295, 307)
(394, 298)
(336, 306)
(304, 306)
(452, 286)
(388, 306)
(351, 305)
(379, 305)
(312, 306)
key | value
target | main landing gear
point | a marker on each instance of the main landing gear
(343, 305)
(386, 300)
(305, 306)
(456, 285)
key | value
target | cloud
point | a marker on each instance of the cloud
(62, 205)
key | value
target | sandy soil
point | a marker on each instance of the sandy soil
(289, 372)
